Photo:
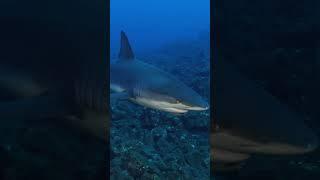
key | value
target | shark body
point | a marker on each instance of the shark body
(249, 120)
(151, 87)
(47, 72)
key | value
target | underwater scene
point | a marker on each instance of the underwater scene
(54, 93)
(267, 77)
(51, 62)
(159, 90)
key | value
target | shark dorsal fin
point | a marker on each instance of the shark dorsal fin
(126, 52)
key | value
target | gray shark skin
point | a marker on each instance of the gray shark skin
(48, 71)
(149, 86)
(249, 120)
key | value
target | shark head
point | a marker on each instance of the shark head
(170, 95)
(151, 87)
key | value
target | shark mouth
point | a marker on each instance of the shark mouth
(198, 108)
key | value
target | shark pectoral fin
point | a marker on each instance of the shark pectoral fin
(116, 89)
(122, 96)
(112, 91)
(224, 160)
(34, 108)
(225, 156)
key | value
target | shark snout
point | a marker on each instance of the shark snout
(303, 139)
(203, 106)
(310, 145)
(199, 108)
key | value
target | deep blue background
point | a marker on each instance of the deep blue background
(149, 24)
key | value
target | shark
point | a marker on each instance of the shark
(49, 72)
(149, 86)
(44, 81)
(248, 121)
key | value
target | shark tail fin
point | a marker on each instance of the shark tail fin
(126, 52)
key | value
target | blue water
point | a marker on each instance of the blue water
(150, 24)
(148, 143)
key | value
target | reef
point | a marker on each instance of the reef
(45, 149)
(149, 144)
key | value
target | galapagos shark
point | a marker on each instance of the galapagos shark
(248, 120)
(149, 86)
(48, 71)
